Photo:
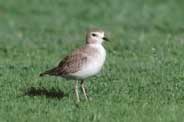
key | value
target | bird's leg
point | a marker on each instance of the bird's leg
(76, 91)
(83, 90)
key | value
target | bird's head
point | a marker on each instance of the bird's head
(95, 36)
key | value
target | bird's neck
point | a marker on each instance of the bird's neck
(95, 45)
(99, 48)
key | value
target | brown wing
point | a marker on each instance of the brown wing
(72, 63)
(69, 64)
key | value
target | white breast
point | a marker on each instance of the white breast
(94, 64)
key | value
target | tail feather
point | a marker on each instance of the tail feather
(49, 72)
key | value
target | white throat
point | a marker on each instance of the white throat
(99, 47)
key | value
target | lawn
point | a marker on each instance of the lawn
(143, 77)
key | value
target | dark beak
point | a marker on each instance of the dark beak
(105, 38)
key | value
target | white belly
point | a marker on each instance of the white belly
(93, 66)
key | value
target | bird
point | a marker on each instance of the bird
(83, 62)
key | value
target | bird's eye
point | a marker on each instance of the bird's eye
(93, 34)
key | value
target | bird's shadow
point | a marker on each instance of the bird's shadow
(41, 91)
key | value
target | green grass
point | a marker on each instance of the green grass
(142, 80)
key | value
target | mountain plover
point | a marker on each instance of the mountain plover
(84, 62)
